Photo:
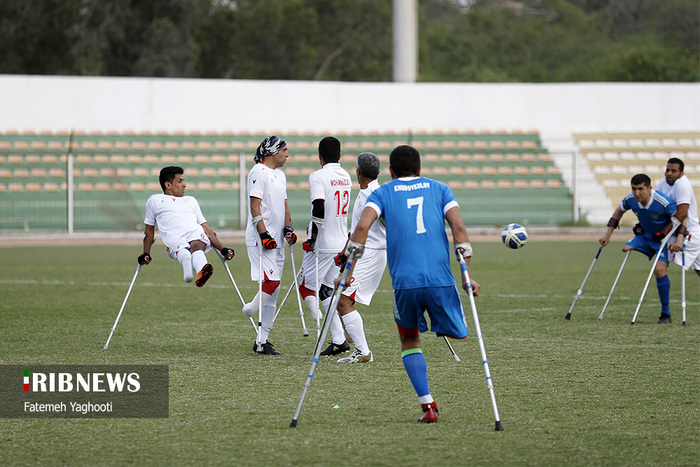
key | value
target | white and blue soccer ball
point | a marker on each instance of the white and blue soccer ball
(514, 236)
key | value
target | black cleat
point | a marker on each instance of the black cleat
(664, 319)
(335, 349)
(265, 349)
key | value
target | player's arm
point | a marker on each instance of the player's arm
(682, 231)
(228, 253)
(613, 223)
(149, 237)
(268, 243)
(461, 241)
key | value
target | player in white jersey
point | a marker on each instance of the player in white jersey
(183, 228)
(328, 231)
(268, 219)
(678, 187)
(368, 270)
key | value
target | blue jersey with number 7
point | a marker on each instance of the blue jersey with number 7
(418, 251)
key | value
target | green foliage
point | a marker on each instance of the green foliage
(351, 40)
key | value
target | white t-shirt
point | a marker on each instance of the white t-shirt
(376, 237)
(175, 215)
(682, 193)
(333, 185)
(270, 185)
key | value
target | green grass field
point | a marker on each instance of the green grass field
(578, 392)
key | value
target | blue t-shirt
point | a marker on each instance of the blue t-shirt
(418, 252)
(654, 217)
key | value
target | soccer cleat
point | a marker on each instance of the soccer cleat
(664, 319)
(204, 275)
(357, 357)
(265, 349)
(335, 349)
(430, 413)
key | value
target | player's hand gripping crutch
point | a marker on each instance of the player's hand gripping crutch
(345, 276)
(580, 289)
(128, 292)
(470, 291)
(676, 223)
(235, 286)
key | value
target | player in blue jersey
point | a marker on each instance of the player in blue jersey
(654, 211)
(414, 210)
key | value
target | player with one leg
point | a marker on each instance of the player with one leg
(183, 228)
(414, 210)
(269, 225)
(677, 186)
(330, 188)
(654, 211)
(368, 271)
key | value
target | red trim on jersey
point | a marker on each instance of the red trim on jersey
(412, 332)
(304, 291)
(269, 287)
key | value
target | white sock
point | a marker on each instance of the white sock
(185, 258)
(336, 326)
(427, 399)
(268, 313)
(250, 309)
(355, 327)
(311, 303)
(199, 259)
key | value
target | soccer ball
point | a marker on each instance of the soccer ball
(514, 236)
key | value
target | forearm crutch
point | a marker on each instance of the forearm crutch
(683, 283)
(627, 255)
(653, 266)
(345, 277)
(296, 287)
(279, 308)
(128, 292)
(482, 349)
(580, 289)
(235, 286)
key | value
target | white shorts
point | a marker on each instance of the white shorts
(692, 253)
(184, 241)
(366, 276)
(327, 270)
(272, 263)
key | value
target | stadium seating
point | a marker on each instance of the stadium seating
(615, 157)
(497, 177)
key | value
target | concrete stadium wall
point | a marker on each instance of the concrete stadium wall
(157, 104)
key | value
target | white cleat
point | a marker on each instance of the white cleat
(357, 357)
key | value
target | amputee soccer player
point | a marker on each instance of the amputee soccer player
(368, 272)
(183, 228)
(270, 220)
(654, 211)
(677, 186)
(414, 209)
(330, 189)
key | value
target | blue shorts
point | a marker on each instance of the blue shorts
(649, 247)
(442, 304)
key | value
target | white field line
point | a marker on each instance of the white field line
(254, 286)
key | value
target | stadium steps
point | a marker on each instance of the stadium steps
(614, 158)
(498, 177)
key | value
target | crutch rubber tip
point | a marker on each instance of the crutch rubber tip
(105, 347)
(293, 424)
(632, 322)
(568, 316)
(306, 334)
(499, 427)
(683, 325)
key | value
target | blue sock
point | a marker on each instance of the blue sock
(663, 284)
(417, 369)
